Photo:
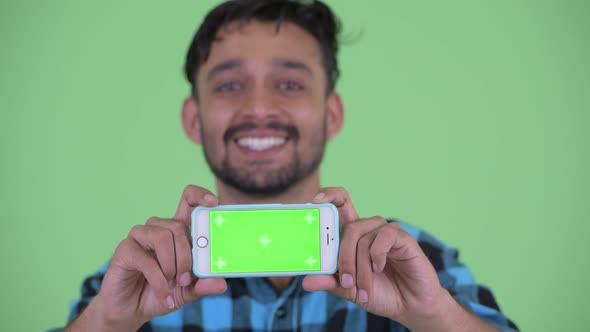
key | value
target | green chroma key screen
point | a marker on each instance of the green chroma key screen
(265, 240)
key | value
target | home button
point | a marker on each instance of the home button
(202, 242)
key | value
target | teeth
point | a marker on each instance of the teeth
(261, 143)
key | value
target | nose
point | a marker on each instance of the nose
(260, 104)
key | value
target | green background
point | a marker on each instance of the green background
(292, 240)
(467, 118)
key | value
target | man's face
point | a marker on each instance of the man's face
(263, 113)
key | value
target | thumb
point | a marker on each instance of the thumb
(193, 196)
(329, 283)
(202, 287)
(320, 282)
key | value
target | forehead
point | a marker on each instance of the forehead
(258, 42)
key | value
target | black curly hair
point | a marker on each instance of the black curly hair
(315, 17)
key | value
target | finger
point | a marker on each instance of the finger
(314, 283)
(209, 286)
(364, 273)
(341, 199)
(329, 283)
(161, 242)
(193, 196)
(351, 234)
(133, 256)
(200, 288)
(392, 241)
(182, 248)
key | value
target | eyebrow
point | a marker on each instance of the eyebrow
(291, 64)
(225, 65)
(276, 63)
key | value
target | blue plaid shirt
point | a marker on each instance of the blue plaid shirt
(253, 304)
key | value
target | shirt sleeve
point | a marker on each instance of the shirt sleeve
(459, 281)
(88, 290)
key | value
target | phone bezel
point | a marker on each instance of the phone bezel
(329, 239)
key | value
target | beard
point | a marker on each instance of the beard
(256, 179)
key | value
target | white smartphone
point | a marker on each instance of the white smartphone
(231, 241)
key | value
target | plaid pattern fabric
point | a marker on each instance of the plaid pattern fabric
(252, 304)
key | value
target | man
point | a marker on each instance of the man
(263, 106)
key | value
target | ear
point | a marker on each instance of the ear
(334, 114)
(190, 119)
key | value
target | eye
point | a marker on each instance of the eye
(229, 87)
(290, 86)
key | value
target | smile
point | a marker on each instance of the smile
(261, 143)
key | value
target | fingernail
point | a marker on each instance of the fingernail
(363, 296)
(185, 279)
(170, 302)
(346, 281)
(209, 197)
(375, 267)
(319, 196)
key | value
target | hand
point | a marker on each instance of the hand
(381, 267)
(150, 273)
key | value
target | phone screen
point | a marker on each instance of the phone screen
(264, 240)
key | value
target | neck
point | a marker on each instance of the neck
(301, 192)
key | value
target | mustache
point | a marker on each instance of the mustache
(291, 131)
